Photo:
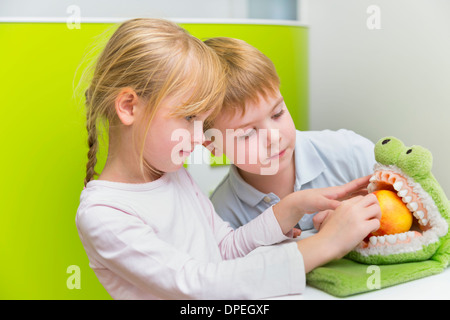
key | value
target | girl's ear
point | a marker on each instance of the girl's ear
(126, 104)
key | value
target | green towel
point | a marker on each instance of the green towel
(345, 277)
(381, 264)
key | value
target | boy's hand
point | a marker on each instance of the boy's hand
(292, 208)
(320, 217)
(296, 232)
(357, 187)
(314, 200)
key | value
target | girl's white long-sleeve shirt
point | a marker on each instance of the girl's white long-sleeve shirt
(164, 240)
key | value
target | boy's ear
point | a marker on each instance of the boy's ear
(125, 106)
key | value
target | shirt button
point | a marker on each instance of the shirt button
(267, 199)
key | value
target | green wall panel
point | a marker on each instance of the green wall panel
(44, 144)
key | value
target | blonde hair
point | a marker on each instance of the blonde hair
(157, 59)
(250, 74)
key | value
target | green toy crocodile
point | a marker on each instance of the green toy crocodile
(422, 251)
(407, 171)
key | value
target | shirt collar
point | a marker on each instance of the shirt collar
(308, 163)
(243, 190)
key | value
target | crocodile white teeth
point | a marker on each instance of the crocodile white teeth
(407, 199)
(419, 214)
(398, 186)
(412, 206)
(392, 238)
(373, 178)
(402, 193)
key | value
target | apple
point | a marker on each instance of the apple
(395, 216)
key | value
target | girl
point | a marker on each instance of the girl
(148, 231)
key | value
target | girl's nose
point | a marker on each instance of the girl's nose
(198, 136)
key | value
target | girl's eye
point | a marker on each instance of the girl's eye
(189, 118)
(279, 114)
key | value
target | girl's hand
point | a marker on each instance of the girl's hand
(341, 231)
(292, 208)
(349, 224)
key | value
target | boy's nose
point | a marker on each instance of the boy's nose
(273, 137)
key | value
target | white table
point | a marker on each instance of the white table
(431, 287)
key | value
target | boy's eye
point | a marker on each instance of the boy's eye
(189, 118)
(247, 134)
(279, 114)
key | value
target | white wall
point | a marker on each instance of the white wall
(127, 9)
(389, 81)
(190, 9)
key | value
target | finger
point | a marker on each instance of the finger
(327, 204)
(356, 185)
(369, 200)
(371, 226)
(374, 211)
(296, 232)
(370, 211)
(363, 181)
(353, 201)
(360, 192)
(320, 216)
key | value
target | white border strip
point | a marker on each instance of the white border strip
(177, 20)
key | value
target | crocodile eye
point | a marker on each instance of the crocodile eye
(415, 161)
(386, 141)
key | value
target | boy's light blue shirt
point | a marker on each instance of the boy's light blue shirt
(322, 159)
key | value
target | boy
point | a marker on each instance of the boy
(270, 157)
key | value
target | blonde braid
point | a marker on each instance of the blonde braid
(92, 142)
